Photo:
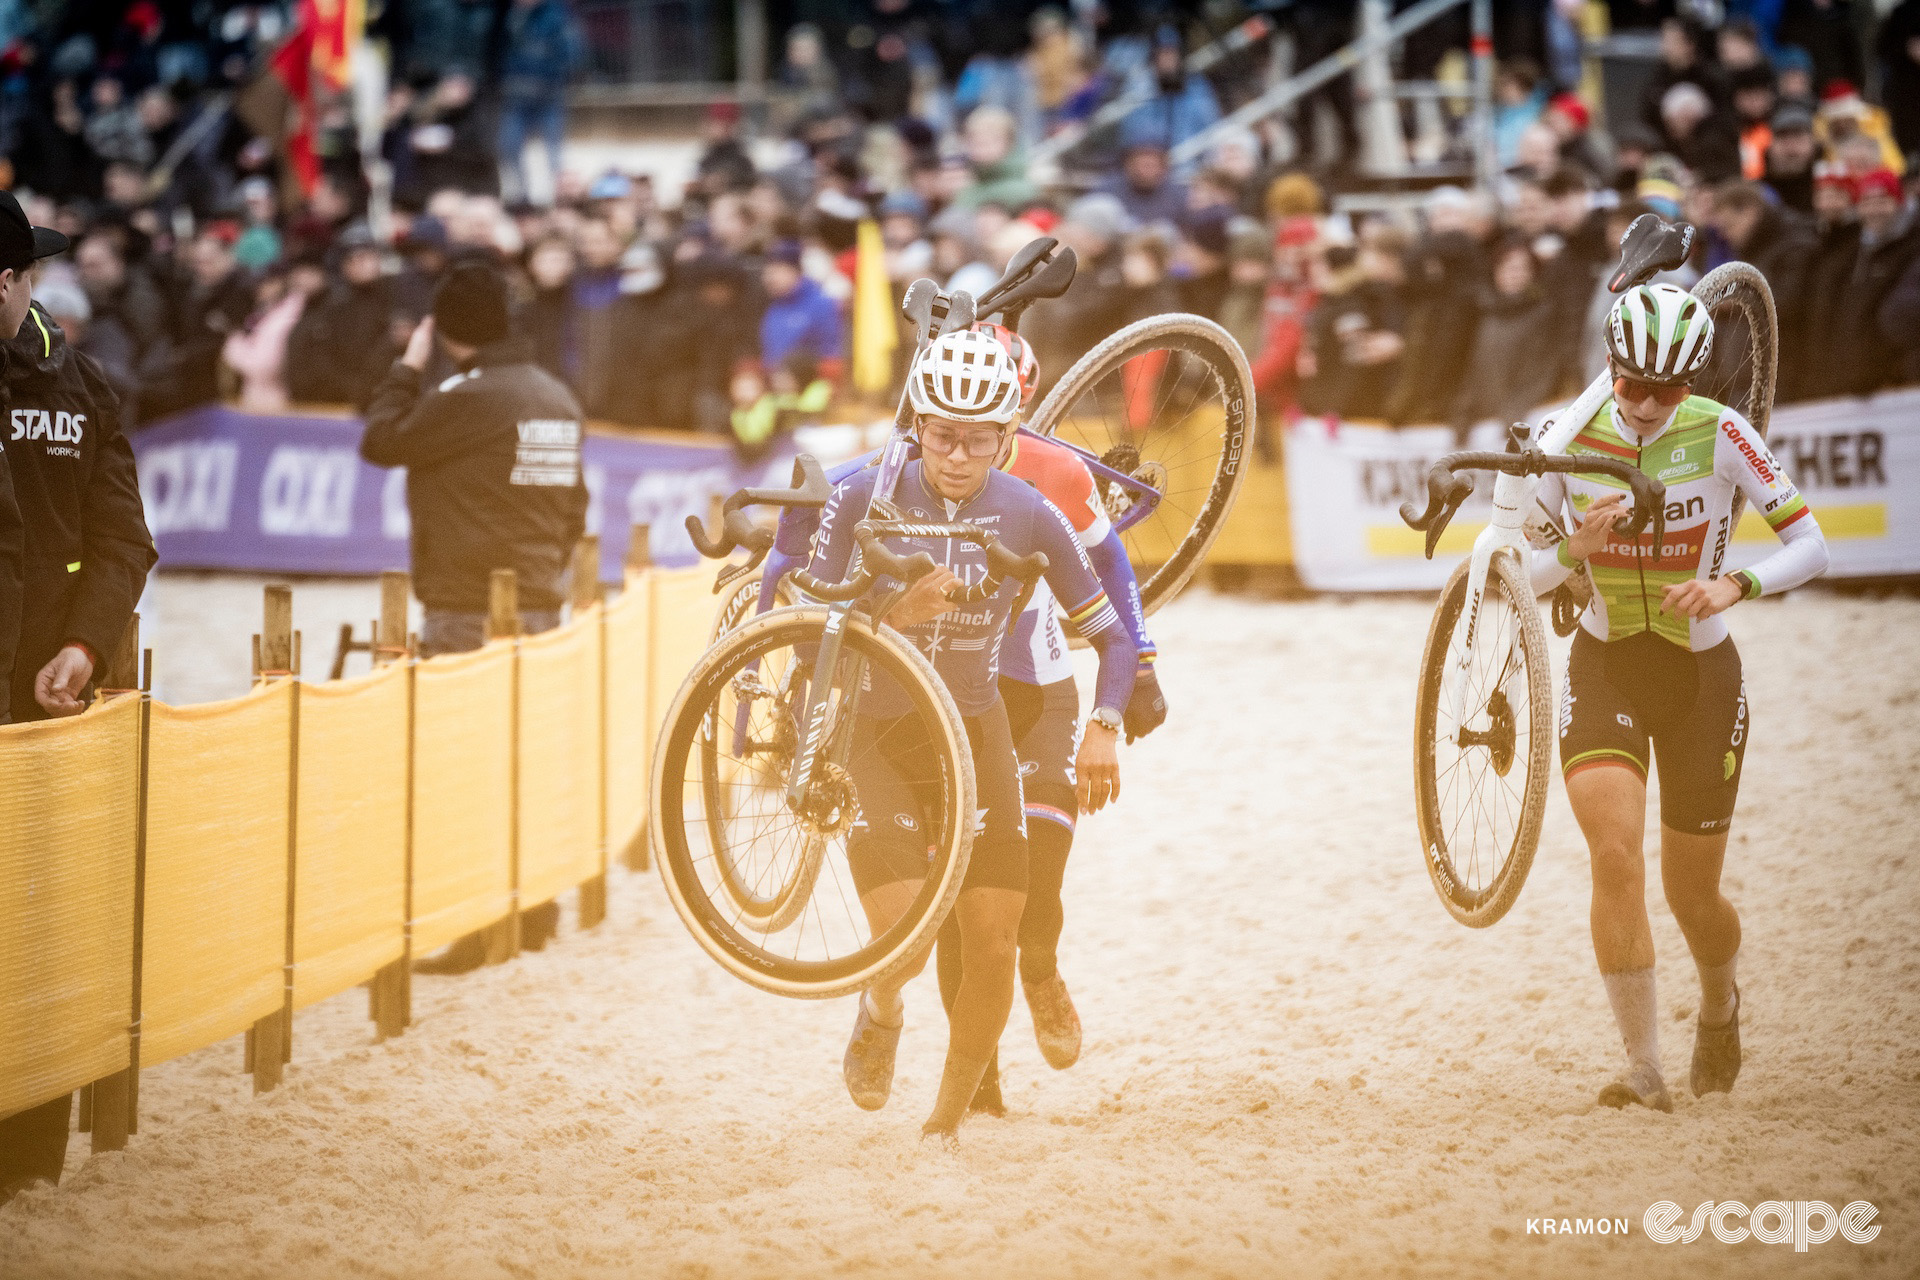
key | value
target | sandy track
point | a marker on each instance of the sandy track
(1296, 1062)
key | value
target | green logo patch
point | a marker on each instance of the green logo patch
(1727, 767)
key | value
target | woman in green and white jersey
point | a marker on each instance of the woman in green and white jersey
(1654, 676)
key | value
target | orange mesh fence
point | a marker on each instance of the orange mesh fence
(214, 954)
(462, 793)
(350, 871)
(69, 798)
(629, 715)
(559, 758)
(683, 610)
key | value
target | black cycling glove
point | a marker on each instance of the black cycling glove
(1147, 708)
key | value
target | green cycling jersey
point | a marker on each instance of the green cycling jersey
(1706, 454)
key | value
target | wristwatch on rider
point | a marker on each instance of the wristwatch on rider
(1107, 718)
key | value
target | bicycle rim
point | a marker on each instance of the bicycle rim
(1740, 373)
(1480, 806)
(1168, 400)
(769, 893)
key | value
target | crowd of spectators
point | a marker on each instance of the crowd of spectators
(204, 269)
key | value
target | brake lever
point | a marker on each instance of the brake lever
(1445, 494)
(1649, 506)
(918, 305)
(961, 312)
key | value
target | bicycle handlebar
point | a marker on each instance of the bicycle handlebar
(737, 529)
(876, 560)
(1446, 491)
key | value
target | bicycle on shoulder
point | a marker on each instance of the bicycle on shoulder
(1482, 724)
(1160, 412)
(756, 780)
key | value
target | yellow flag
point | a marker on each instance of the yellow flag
(875, 332)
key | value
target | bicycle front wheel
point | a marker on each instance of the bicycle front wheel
(1479, 823)
(1168, 402)
(765, 887)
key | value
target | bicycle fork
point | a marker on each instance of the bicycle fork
(1504, 532)
(813, 724)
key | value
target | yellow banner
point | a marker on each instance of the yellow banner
(462, 794)
(69, 796)
(215, 950)
(559, 759)
(350, 876)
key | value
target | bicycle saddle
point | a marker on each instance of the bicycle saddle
(1650, 246)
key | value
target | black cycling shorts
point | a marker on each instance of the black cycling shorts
(1045, 720)
(897, 791)
(1624, 700)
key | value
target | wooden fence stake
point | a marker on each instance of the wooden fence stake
(636, 855)
(586, 592)
(270, 1043)
(503, 620)
(390, 994)
(106, 1104)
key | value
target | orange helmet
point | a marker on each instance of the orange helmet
(1020, 351)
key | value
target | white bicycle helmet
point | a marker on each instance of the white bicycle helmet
(965, 376)
(1659, 333)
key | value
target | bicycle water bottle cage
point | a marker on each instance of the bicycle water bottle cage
(1650, 246)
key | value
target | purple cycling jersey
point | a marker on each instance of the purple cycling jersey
(964, 643)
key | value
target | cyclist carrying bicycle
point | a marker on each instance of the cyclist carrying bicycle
(1654, 675)
(965, 395)
(1043, 711)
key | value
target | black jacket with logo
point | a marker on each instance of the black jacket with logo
(86, 549)
(493, 475)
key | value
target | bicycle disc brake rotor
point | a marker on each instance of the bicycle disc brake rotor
(1126, 459)
(830, 806)
(1498, 738)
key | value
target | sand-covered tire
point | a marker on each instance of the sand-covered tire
(1478, 882)
(1165, 376)
(774, 949)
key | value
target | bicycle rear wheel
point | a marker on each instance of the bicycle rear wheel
(1169, 401)
(1478, 828)
(1746, 347)
(768, 891)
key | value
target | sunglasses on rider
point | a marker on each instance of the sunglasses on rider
(941, 438)
(1634, 391)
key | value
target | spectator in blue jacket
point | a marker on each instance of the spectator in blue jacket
(799, 315)
(543, 50)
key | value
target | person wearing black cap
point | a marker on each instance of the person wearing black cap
(74, 555)
(493, 463)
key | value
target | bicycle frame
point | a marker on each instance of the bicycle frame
(1143, 499)
(1512, 497)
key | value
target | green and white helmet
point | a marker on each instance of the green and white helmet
(1659, 333)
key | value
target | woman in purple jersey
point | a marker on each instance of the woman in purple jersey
(966, 397)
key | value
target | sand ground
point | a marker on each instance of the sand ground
(1296, 1063)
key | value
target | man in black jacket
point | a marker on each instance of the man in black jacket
(74, 555)
(493, 464)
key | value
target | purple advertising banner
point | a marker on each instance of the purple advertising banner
(290, 494)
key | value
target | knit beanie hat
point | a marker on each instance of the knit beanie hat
(470, 307)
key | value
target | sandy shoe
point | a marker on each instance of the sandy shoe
(1640, 1087)
(1716, 1054)
(1056, 1024)
(868, 1066)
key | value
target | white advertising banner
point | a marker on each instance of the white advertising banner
(1857, 461)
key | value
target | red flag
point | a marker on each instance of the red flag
(292, 65)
